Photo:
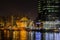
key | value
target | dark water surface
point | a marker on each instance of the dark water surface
(27, 35)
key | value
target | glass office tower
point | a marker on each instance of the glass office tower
(48, 10)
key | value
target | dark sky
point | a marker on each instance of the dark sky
(19, 8)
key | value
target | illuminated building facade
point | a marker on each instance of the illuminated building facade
(48, 10)
(23, 22)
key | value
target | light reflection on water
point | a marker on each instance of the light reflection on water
(37, 36)
(24, 35)
(52, 36)
(16, 35)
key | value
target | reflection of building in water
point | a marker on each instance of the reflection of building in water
(21, 24)
(52, 36)
(31, 35)
(23, 35)
(37, 36)
(16, 35)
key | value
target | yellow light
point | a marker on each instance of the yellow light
(22, 22)
(23, 35)
(15, 35)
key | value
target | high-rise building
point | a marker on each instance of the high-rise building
(48, 9)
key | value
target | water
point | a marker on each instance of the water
(25, 35)
(31, 35)
(52, 36)
(49, 36)
(37, 36)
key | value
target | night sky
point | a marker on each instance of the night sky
(19, 8)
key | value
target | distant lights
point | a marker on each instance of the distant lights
(39, 6)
